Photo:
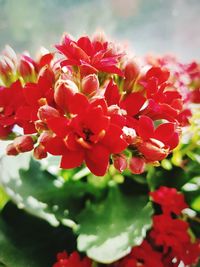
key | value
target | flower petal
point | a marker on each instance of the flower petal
(145, 127)
(97, 159)
(133, 103)
(72, 159)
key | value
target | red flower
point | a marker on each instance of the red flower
(72, 260)
(170, 233)
(169, 199)
(90, 55)
(35, 95)
(156, 143)
(83, 139)
(143, 256)
(10, 100)
(191, 253)
(130, 103)
(164, 100)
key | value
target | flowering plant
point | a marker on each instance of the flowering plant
(112, 177)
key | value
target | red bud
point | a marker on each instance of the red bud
(64, 93)
(40, 126)
(153, 150)
(40, 152)
(120, 162)
(11, 150)
(23, 143)
(137, 165)
(131, 73)
(5, 131)
(45, 137)
(90, 84)
(10, 53)
(6, 66)
(131, 70)
(46, 112)
(27, 68)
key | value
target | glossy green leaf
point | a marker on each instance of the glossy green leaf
(109, 228)
(42, 194)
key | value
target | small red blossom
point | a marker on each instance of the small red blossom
(35, 95)
(82, 139)
(169, 199)
(164, 100)
(11, 99)
(72, 260)
(156, 143)
(143, 255)
(90, 55)
(170, 233)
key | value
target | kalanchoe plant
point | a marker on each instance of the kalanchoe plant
(109, 151)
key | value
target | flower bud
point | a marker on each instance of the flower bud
(90, 84)
(5, 131)
(44, 57)
(195, 96)
(46, 112)
(11, 150)
(27, 68)
(64, 92)
(153, 150)
(137, 165)
(40, 126)
(131, 72)
(120, 162)
(10, 53)
(45, 137)
(23, 143)
(46, 75)
(7, 69)
(39, 152)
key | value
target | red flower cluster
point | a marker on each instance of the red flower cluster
(90, 106)
(72, 260)
(169, 241)
(169, 199)
(143, 256)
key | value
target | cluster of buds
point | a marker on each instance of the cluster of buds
(91, 105)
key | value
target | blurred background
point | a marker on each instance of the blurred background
(157, 26)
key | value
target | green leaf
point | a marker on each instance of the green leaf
(41, 193)
(3, 198)
(109, 228)
(158, 176)
(192, 193)
(26, 241)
